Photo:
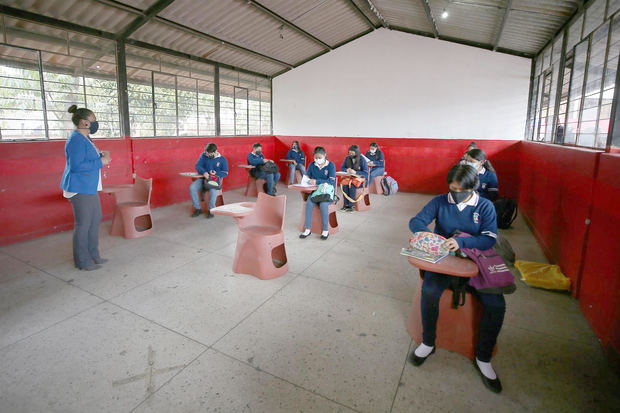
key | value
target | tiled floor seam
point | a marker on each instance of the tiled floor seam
(400, 379)
(355, 288)
(285, 380)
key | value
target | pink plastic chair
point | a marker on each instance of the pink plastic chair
(204, 200)
(457, 329)
(317, 228)
(364, 203)
(375, 186)
(132, 215)
(260, 244)
(255, 186)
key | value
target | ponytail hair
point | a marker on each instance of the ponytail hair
(480, 156)
(79, 114)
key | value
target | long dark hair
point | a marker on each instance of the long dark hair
(79, 114)
(296, 143)
(480, 156)
(353, 162)
(465, 175)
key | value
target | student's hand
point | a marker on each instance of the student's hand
(294, 163)
(350, 171)
(206, 175)
(371, 164)
(212, 172)
(451, 245)
(312, 181)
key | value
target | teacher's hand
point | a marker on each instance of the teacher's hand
(451, 245)
(105, 158)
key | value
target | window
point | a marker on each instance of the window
(609, 83)
(241, 111)
(531, 127)
(595, 14)
(561, 122)
(544, 106)
(76, 69)
(575, 93)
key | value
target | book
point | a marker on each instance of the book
(423, 255)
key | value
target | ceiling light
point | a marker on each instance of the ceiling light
(444, 14)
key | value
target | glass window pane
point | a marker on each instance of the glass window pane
(206, 108)
(241, 111)
(576, 90)
(140, 92)
(187, 96)
(227, 110)
(254, 114)
(21, 102)
(165, 105)
(574, 33)
(595, 14)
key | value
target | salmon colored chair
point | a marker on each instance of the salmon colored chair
(457, 329)
(375, 186)
(260, 244)
(364, 203)
(132, 215)
(255, 186)
(317, 228)
(204, 200)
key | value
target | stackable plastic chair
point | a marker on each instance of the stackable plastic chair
(364, 203)
(260, 244)
(204, 199)
(375, 186)
(255, 186)
(132, 215)
(457, 329)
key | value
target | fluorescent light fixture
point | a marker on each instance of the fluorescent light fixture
(444, 14)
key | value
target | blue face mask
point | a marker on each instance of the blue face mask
(94, 127)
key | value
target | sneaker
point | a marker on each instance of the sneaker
(196, 213)
(100, 260)
(210, 215)
(90, 267)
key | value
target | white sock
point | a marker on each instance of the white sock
(325, 233)
(486, 369)
(423, 350)
(306, 232)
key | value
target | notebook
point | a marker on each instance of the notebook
(423, 255)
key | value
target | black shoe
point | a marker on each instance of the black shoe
(350, 209)
(196, 213)
(324, 236)
(492, 384)
(302, 235)
(418, 361)
(210, 215)
(100, 260)
(344, 208)
(90, 267)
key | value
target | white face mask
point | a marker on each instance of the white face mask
(373, 151)
(472, 164)
(319, 161)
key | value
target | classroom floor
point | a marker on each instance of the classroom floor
(166, 326)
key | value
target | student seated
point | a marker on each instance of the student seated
(212, 166)
(298, 157)
(263, 168)
(320, 171)
(488, 179)
(355, 163)
(471, 146)
(377, 161)
(464, 210)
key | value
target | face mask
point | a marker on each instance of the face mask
(460, 196)
(373, 151)
(94, 127)
(472, 164)
(258, 152)
(295, 147)
(319, 161)
(211, 155)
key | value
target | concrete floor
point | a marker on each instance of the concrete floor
(166, 326)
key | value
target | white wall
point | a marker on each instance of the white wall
(394, 84)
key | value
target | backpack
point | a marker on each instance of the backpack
(504, 249)
(389, 185)
(325, 192)
(506, 212)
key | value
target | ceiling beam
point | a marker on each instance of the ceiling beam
(502, 24)
(429, 17)
(361, 13)
(375, 10)
(288, 23)
(140, 21)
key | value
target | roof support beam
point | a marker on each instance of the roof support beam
(502, 23)
(361, 13)
(375, 10)
(288, 23)
(429, 17)
(147, 15)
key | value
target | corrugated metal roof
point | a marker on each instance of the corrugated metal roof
(262, 43)
(88, 13)
(333, 22)
(476, 22)
(238, 22)
(404, 13)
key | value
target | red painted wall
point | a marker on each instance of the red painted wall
(600, 284)
(31, 201)
(555, 199)
(419, 165)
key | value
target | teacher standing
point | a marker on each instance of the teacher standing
(80, 183)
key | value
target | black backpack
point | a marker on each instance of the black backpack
(506, 212)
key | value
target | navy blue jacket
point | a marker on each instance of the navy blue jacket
(326, 174)
(298, 157)
(256, 160)
(218, 164)
(363, 167)
(378, 159)
(488, 185)
(479, 220)
(81, 173)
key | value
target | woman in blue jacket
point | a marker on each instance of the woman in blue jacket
(298, 157)
(488, 179)
(80, 183)
(355, 163)
(320, 171)
(377, 161)
(464, 210)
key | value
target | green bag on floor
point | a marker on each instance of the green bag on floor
(538, 274)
